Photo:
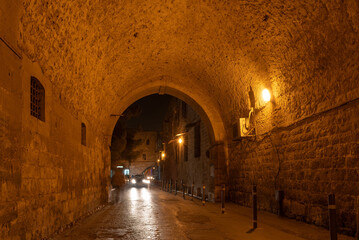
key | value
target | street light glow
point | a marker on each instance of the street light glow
(180, 140)
(266, 95)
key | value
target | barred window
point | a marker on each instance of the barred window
(177, 116)
(197, 141)
(185, 148)
(37, 99)
(184, 110)
(83, 134)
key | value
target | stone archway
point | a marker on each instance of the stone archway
(204, 105)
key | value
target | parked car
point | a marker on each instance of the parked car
(139, 181)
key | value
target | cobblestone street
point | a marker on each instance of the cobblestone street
(141, 213)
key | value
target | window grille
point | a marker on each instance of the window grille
(37, 99)
(177, 116)
(83, 134)
(197, 141)
(185, 148)
(184, 110)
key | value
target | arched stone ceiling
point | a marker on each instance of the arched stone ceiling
(98, 52)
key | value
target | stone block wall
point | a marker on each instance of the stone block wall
(195, 170)
(48, 179)
(139, 164)
(308, 159)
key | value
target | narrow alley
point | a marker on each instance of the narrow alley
(149, 213)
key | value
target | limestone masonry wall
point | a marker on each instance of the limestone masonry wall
(193, 169)
(48, 179)
(308, 160)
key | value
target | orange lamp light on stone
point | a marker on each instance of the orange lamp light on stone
(180, 140)
(266, 95)
(163, 155)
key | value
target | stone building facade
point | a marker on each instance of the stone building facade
(187, 162)
(140, 154)
(148, 152)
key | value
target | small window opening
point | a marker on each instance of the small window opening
(37, 99)
(144, 156)
(83, 134)
(185, 148)
(184, 109)
(177, 116)
(147, 142)
(197, 141)
(177, 153)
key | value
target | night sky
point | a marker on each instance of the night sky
(153, 110)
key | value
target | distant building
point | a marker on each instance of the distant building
(140, 153)
(147, 152)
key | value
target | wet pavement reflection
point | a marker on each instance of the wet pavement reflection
(144, 213)
(133, 213)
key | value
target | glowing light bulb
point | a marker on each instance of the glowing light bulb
(180, 140)
(163, 155)
(266, 95)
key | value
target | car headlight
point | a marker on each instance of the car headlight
(133, 181)
(146, 181)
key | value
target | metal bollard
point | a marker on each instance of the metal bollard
(254, 194)
(183, 193)
(204, 195)
(279, 196)
(176, 187)
(223, 196)
(192, 190)
(332, 217)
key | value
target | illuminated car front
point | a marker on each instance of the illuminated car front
(147, 181)
(140, 181)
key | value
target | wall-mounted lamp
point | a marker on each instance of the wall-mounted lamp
(266, 95)
(245, 127)
(163, 155)
(180, 140)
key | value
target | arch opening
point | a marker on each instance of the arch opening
(201, 101)
(187, 148)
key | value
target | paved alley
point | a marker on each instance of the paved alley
(142, 213)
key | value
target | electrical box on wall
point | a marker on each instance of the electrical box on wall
(243, 128)
(246, 130)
